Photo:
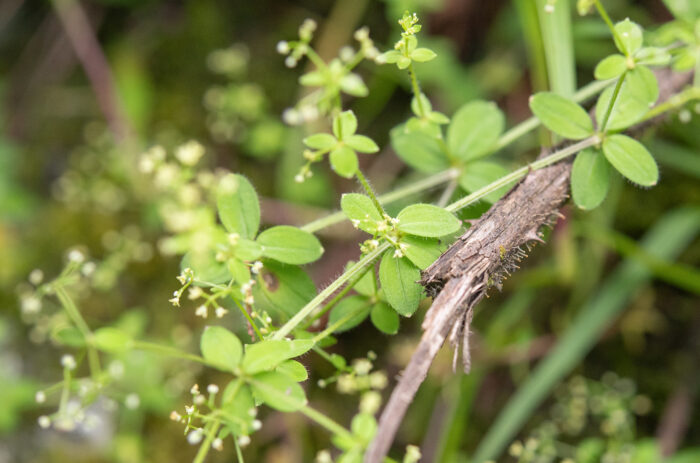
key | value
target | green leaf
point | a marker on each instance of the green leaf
(67, 335)
(561, 115)
(361, 209)
(642, 83)
(423, 55)
(362, 144)
(627, 110)
(391, 56)
(422, 251)
(474, 130)
(221, 348)
(631, 159)
(352, 84)
(112, 340)
(282, 288)
(355, 307)
(205, 267)
(295, 370)
(424, 103)
(312, 79)
(344, 161)
(399, 277)
(238, 407)
(427, 220)
(419, 150)
(590, 178)
(403, 62)
(238, 206)
(630, 35)
(248, 250)
(653, 56)
(384, 318)
(268, 354)
(239, 270)
(290, 245)
(610, 67)
(344, 125)
(321, 141)
(364, 286)
(364, 426)
(278, 391)
(477, 175)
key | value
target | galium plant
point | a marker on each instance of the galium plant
(211, 220)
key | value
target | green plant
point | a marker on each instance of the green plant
(211, 220)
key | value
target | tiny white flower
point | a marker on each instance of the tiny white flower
(116, 369)
(199, 400)
(68, 361)
(299, 178)
(44, 422)
(346, 53)
(40, 397)
(282, 47)
(257, 266)
(195, 292)
(189, 410)
(549, 8)
(88, 268)
(249, 300)
(201, 311)
(355, 223)
(243, 441)
(362, 34)
(36, 277)
(257, 425)
(217, 444)
(190, 153)
(290, 62)
(31, 305)
(291, 116)
(76, 256)
(220, 312)
(175, 301)
(146, 164)
(175, 416)
(132, 401)
(195, 437)
(233, 238)
(684, 116)
(194, 390)
(308, 113)
(212, 389)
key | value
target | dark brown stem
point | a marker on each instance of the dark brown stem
(479, 259)
(88, 50)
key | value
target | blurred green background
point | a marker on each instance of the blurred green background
(208, 70)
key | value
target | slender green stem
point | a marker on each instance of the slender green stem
(400, 193)
(213, 428)
(368, 188)
(604, 14)
(78, 320)
(689, 94)
(330, 289)
(615, 94)
(327, 423)
(340, 322)
(249, 318)
(169, 351)
(66, 390)
(239, 454)
(337, 298)
(416, 89)
(521, 172)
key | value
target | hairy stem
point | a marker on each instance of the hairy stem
(368, 188)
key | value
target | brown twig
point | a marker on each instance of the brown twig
(480, 259)
(88, 50)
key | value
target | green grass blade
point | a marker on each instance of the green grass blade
(558, 43)
(665, 240)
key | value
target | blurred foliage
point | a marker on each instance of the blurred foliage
(207, 70)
